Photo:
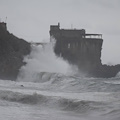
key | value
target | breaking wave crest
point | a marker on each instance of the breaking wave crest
(50, 101)
(22, 98)
(43, 59)
(61, 82)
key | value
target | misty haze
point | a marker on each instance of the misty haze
(59, 60)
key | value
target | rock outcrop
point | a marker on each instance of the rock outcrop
(83, 50)
(12, 52)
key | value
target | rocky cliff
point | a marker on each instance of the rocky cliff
(12, 51)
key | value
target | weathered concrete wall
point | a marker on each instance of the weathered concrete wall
(71, 33)
(57, 32)
(85, 53)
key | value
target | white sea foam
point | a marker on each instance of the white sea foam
(32, 99)
(43, 59)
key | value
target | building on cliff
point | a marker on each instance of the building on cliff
(78, 47)
(82, 49)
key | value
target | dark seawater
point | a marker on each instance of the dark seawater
(48, 88)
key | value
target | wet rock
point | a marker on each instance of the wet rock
(12, 52)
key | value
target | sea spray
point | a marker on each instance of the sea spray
(43, 59)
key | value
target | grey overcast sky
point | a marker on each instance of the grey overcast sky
(30, 20)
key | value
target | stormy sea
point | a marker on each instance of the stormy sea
(49, 88)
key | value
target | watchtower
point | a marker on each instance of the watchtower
(55, 30)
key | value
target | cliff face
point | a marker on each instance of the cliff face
(12, 51)
(84, 52)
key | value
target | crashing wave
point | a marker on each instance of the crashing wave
(58, 102)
